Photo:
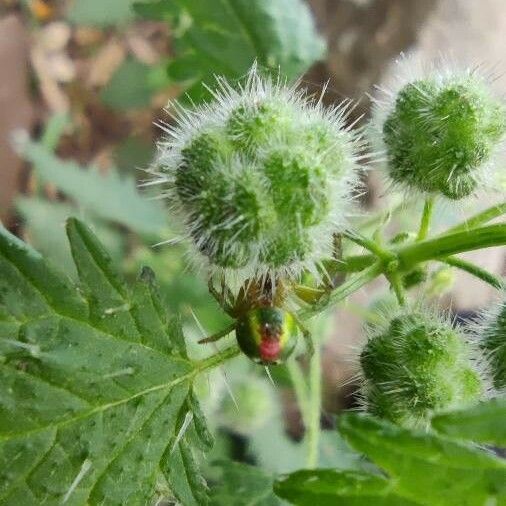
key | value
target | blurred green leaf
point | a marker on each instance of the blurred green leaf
(225, 37)
(45, 227)
(129, 87)
(100, 13)
(422, 468)
(156, 10)
(94, 382)
(242, 485)
(484, 423)
(327, 487)
(428, 468)
(109, 195)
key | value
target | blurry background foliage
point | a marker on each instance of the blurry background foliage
(97, 74)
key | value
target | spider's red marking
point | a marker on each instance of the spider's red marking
(270, 345)
(269, 350)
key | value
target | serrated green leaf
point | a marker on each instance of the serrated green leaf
(242, 485)
(91, 384)
(484, 423)
(428, 468)
(326, 487)
(225, 37)
(108, 196)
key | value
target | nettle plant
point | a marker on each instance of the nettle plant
(98, 404)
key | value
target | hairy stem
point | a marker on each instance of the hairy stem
(432, 249)
(474, 270)
(371, 245)
(480, 218)
(300, 388)
(450, 244)
(395, 280)
(428, 210)
(315, 394)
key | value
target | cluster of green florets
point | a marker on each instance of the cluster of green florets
(418, 364)
(262, 178)
(491, 333)
(440, 132)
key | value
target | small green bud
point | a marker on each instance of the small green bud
(416, 365)
(492, 337)
(414, 277)
(262, 178)
(440, 133)
(267, 335)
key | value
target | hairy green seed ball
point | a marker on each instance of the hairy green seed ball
(417, 366)
(493, 342)
(441, 133)
(267, 335)
(262, 178)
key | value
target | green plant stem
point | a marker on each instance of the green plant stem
(480, 218)
(300, 388)
(395, 280)
(450, 244)
(474, 270)
(432, 249)
(428, 210)
(368, 244)
(347, 288)
(315, 394)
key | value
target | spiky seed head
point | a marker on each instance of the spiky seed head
(491, 332)
(262, 177)
(415, 365)
(440, 131)
(267, 335)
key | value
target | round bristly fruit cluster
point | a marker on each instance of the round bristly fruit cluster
(491, 331)
(262, 177)
(440, 133)
(418, 364)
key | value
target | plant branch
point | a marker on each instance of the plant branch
(450, 244)
(300, 388)
(480, 218)
(368, 244)
(474, 270)
(347, 288)
(432, 249)
(315, 394)
(428, 210)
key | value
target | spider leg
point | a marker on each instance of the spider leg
(219, 335)
(306, 334)
(220, 298)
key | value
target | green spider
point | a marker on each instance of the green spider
(265, 332)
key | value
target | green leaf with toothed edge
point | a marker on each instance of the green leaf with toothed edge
(93, 383)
